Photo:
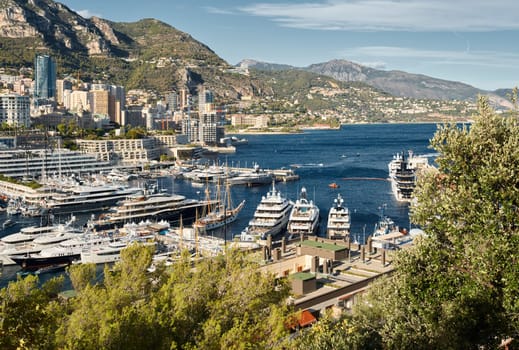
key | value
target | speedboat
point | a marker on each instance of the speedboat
(8, 223)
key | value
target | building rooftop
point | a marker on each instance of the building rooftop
(303, 276)
(323, 245)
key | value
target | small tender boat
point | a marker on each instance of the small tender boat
(8, 223)
(333, 185)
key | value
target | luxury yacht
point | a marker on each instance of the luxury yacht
(271, 215)
(156, 207)
(339, 220)
(304, 217)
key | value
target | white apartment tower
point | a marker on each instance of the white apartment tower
(15, 110)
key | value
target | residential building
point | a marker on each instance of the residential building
(77, 100)
(61, 86)
(44, 77)
(172, 101)
(256, 121)
(15, 110)
(99, 102)
(125, 151)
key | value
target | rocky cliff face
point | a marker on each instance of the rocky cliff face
(341, 70)
(13, 22)
(56, 24)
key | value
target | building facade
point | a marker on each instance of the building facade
(124, 151)
(44, 77)
(15, 110)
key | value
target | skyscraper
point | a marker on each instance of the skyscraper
(44, 77)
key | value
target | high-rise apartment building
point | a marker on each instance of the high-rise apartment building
(61, 86)
(15, 110)
(99, 102)
(44, 77)
(172, 101)
(205, 102)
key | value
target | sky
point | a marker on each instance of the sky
(471, 41)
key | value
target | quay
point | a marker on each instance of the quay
(236, 175)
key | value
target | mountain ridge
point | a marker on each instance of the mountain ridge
(154, 56)
(395, 82)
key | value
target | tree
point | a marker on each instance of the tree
(215, 303)
(29, 313)
(457, 287)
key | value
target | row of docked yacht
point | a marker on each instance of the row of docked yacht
(33, 239)
(57, 245)
(275, 213)
(69, 198)
(254, 176)
(271, 216)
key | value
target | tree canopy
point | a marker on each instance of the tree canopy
(218, 303)
(457, 287)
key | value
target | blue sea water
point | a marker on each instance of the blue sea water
(355, 157)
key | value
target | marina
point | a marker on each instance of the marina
(375, 145)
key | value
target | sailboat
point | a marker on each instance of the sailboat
(221, 212)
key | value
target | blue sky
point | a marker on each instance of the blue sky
(472, 41)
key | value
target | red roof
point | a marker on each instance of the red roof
(306, 318)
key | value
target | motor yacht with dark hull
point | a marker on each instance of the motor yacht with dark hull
(154, 207)
(88, 198)
(65, 252)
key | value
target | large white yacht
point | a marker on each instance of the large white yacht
(339, 220)
(402, 174)
(87, 198)
(33, 239)
(271, 215)
(253, 177)
(156, 207)
(304, 217)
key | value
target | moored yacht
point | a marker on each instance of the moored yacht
(254, 177)
(402, 174)
(87, 198)
(63, 253)
(304, 216)
(219, 213)
(271, 215)
(339, 220)
(156, 207)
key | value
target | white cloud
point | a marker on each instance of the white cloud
(218, 11)
(478, 58)
(393, 15)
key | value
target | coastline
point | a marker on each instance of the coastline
(303, 129)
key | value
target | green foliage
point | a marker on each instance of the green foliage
(219, 303)
(457, 288)
(29, 314)
(331, 334)
(31, 184)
